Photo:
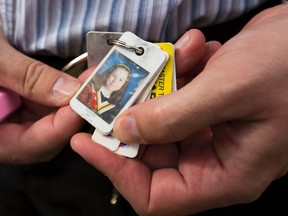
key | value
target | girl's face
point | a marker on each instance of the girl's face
(117, 79)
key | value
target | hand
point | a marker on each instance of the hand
(193, 53)
(39, 129)
(229, 128)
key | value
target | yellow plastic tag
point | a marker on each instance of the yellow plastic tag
(164, 83)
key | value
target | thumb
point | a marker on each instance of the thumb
(34, 80)
(170, 115)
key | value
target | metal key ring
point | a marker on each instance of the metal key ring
(138, 50)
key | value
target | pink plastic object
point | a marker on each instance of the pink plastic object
(9, 102)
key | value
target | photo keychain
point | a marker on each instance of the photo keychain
(118, 80)
(162, 84)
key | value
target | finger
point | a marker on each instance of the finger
(211, 48)
(125, 173)
(207, 100)
(33, 79)
(49, 136)
(183, 78)
(167, 156)
(189, 49)
(83, 76)
(147, 192)
(175, 116)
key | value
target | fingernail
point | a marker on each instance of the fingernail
(182, 41)
(209, 49)
(65, 88)
(128, 126)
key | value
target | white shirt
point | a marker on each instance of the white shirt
(58, 27)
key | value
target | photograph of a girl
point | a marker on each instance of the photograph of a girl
(112, 86)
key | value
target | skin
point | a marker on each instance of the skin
(116, 80)
(228, 141)
(44, 114)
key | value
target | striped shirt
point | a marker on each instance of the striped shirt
(58, 27)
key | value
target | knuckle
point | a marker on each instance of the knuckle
(167, 130)
(30, 81)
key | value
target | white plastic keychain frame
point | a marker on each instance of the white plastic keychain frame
(141, 68)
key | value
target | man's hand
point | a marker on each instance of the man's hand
(39, 129)
(222, 138)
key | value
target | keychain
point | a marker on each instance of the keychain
(118, 80)
(143, 58)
